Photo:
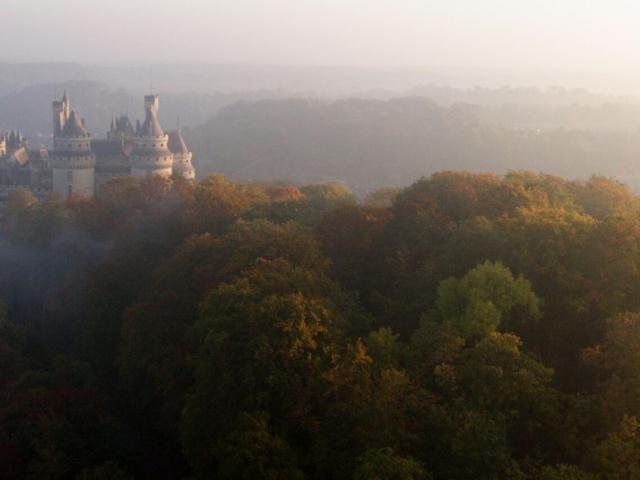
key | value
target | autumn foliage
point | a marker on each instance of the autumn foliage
(468, 326)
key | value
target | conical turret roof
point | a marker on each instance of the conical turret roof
(123, 125)
(74, 127)
(176, 142)
(151, 126)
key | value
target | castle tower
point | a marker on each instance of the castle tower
(61, 112)
(72, 162)
(151, 155)
(182, 166)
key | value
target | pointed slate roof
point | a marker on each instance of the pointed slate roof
(176, 142)
(74, 126)
(151, 126)
(123, 125)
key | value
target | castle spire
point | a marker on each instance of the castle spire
(72, 161)
(150, 154)
(182, 157)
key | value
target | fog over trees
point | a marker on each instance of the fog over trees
(467, 326)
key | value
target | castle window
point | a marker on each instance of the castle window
(70, 190)
(69, 175)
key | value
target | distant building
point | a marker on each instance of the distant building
(22, 167)
(72, 161)
(151, 154)
(80, 165)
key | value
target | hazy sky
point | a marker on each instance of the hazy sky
(569, 34)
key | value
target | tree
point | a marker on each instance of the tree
(563, 472)
(322, 198)
(251, 451)
(618, 456)
(384, 464)
(262, 343)
(153, 352)
(20, 200)
(617, 364)
(385, 349)
(382, 197)
(485, 299)
(350, 237)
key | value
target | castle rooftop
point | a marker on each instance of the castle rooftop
(74, 126)
(176, 142)
(151, 126)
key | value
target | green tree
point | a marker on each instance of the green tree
(618, 456)
(251, 451)
(384, 464)
(485, 299)
(617, 363)
(321, 198)
(263, 342)
(563, 472)
(385, 349)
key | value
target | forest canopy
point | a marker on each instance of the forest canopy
(467, 326)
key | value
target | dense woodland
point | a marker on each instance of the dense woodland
(468, 326)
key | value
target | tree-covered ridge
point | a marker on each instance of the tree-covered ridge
(371, 143)
(469, 326)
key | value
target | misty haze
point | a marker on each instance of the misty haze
(338, 240)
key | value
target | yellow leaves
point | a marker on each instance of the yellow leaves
(554, 217)
(349, 373)
(300, 320)
(283, 193)
(604, 198)
(20, 199)
(360, 355)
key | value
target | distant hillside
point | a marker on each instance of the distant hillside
(30, 108)
(368, 143)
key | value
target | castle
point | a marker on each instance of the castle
(79, 165)
(21, 166)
